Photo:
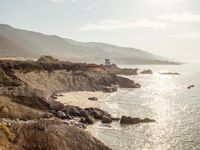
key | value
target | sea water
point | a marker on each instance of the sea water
(164, 98)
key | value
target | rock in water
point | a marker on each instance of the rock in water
(89, 119)
(129, 120)
(146, 72)
(106, 120)
(191, 86)
(169, 73)
(127, 83)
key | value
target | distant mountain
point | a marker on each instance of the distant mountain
(22, 43)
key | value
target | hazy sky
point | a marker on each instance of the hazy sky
(166, 27)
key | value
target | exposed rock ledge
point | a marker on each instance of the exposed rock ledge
(33, 120)
(129, 120)
(26, 98)
(47, 135)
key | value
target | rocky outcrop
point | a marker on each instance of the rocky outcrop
(13, 110)
(32, 107)
(106, 119)
(127, 83)
(190, 86)
(148, 71)
(98, 113)
(47, 58)
(121, 71)
(55, 76)
(128, 120)
(88, 115)
(50, 135)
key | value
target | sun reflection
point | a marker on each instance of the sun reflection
(161, 92)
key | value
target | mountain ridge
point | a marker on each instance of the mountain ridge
(23, 43)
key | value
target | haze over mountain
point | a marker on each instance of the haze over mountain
(22, 43)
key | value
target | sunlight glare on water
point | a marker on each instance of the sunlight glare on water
(163, 98)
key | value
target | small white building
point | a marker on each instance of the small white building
(107, 62)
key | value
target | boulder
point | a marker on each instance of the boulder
(93, 98)
(106, 120)
(97, 113)
(191, 86)
(148, 71)
(55, 105)
(89, 119)
(74, 111)
(128, 120)
(109, 89)
(61, 114)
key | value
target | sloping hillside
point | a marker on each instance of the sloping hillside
(22, 43)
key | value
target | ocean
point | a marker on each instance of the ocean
(164, 98)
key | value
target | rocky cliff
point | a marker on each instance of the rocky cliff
(30, 118)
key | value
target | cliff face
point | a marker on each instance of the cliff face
(30, 116)
(63, 80)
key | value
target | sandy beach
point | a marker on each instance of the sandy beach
(80, 98)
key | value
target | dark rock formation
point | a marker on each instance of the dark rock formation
(74, 111)
(89, 119)
(109, 89)
(169, 73)
(121, 71)
(191, 86)
(88, 115)
(146, 72)
(98, 113)
(93, 98)
(127, 83)
(128, 120)
(61, 115)
(50, 135)
(55, 105)
(106, 119)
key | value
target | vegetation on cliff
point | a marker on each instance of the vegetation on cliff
(47, 58)
(34, 116)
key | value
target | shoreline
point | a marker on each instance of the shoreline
(80, 98)
(37, 105)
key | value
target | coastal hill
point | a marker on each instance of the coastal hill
(22, 43)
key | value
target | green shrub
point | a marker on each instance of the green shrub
(47, 58)
(6, 131)
(6, 80)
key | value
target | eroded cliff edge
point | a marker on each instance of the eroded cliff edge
(28, 107)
